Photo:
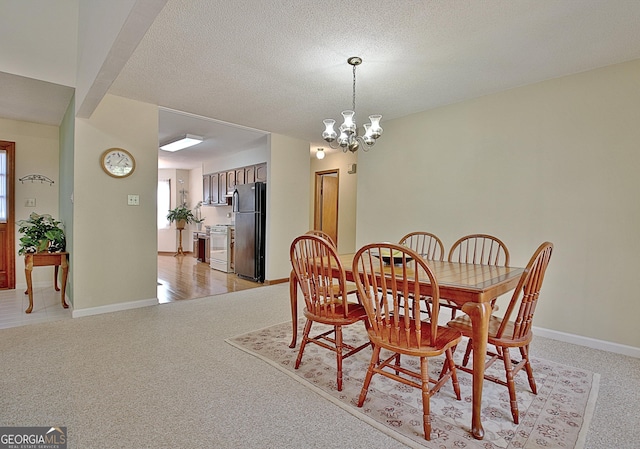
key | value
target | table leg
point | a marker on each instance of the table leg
(293, 297)
(65, 272)
(28, 268)
(55, 278)
(479, 314)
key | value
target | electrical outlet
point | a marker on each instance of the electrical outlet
(133, 200)
(31, 202)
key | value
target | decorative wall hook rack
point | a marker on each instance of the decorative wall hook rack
(34, 178)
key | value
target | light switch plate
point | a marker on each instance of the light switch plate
(133, 200)
(31, 202)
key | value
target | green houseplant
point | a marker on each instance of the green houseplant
(42, 233)
(197, 212)
(181, 215)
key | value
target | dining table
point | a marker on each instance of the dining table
(470, 286)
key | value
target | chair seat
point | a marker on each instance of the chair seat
(336, 317)
(463, 324)
(446, 338)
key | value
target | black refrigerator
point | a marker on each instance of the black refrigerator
(249, 206)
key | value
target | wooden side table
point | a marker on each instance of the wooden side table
(42, 260)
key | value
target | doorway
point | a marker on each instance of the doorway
(326, 203)
(7, 219)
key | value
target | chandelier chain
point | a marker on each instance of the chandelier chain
(354, 89)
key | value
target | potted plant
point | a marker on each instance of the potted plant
(181, 215)
(42, 233)
(198, 214)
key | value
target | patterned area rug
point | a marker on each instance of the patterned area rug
(557, 417)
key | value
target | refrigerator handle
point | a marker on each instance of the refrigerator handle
(235, 201)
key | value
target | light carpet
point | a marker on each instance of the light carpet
(557, 417)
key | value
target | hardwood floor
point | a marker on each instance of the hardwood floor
(183, 277)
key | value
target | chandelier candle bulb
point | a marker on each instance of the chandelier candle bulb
(329, 133)
(349, 138)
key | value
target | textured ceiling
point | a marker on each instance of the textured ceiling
(33, 100)
(280, 66)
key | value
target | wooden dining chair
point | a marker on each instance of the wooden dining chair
(514, 329)
(322, 234)
(392, 325)
(351, 287)
(427, 245)
(430, 247)
(321, 278)
(482, 249)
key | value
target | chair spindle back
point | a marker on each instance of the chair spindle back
(427, 245)
(320, 274)
(526, 295)
(322, 234)
(382, 288)
(480, 249)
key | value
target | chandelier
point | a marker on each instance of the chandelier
(349, 138)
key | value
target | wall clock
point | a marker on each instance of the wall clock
(117, 162)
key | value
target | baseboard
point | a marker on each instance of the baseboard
(114, 307)
(276, 281)
(589, 342)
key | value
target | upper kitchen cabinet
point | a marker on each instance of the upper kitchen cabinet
(261, 172)
(234, 178)
(218, 187)
(231, 182)
(206, 189)
(215, 189)
(240, 177)
(222, 190)
(250, 174)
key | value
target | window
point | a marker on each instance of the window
(3, 186)
(164, 202)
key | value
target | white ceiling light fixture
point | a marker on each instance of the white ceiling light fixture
(349, 138)
(320, 153)
(182, 142)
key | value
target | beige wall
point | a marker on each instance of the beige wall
(347, 190)
(115, 245)
(287, 201)
(553, 161)
(37, 150)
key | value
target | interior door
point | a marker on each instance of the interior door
(7, 219)
(326, 203)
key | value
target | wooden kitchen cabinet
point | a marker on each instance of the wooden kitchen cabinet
(231, 182)
(234, 178)
(217, 186)
(240, 178)
(206, 189)
(261, 172)
(222, 188)
(250, 174)
(215, 189)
